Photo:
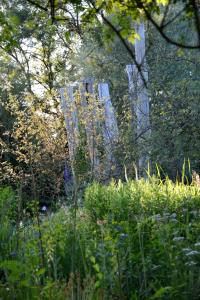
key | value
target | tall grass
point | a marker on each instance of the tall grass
(134, 240)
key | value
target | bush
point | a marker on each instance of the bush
(135, 240)
(139, 198)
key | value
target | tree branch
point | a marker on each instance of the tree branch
(196, 16)
(161, 31)
(37, 5)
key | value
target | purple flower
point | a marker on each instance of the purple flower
(67, 175)
(13, 253)
(118, 228)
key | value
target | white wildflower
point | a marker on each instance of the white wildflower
(173, 215)
(173, 221)
(178, 238)
(192, 253)
(194, 212)
(186, 250)
(157, 217)
(155, 267)
(190, 263)
(166, 214)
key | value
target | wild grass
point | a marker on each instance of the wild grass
(134, 240)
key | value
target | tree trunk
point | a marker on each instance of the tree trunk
(139, 97)
(89, 106)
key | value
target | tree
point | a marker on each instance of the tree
(175, 94)
(30, 120)
(119, 17)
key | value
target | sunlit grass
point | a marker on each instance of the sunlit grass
(134, 240)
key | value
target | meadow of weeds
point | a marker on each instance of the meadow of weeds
(134, 240)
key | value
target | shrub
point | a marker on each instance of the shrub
(134, 240)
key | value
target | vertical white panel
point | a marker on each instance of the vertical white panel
(110, 129)
(71, 120)
(89, 116)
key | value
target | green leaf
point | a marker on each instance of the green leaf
(40, 272)
(67, 36)
(161, 292)
(96, 267)
(14, 20)
(92, 259)
(132, 37)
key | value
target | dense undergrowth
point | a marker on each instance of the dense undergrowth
(134, 240)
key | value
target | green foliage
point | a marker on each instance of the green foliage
(174, 89)
(29, 145)
(138, 240)
(8, 219)
(7, 204)
(40, 54)
(144, 198)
